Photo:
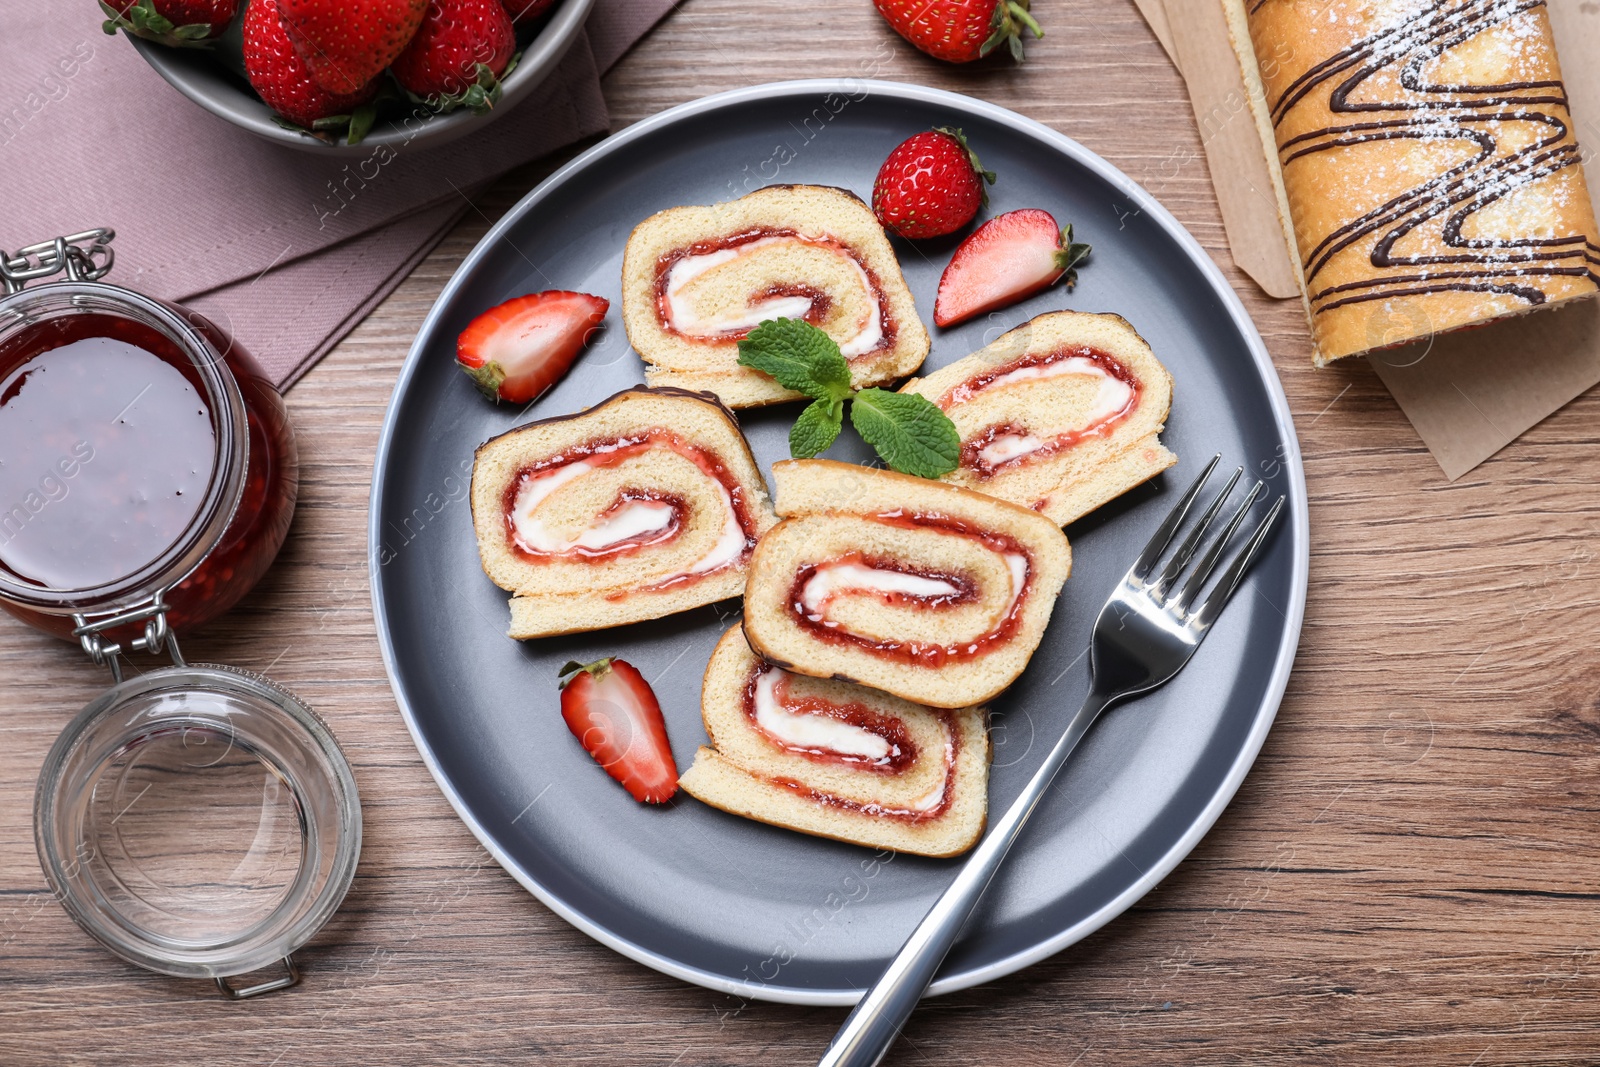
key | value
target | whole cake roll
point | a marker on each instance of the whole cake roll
(646, 504)
(838, 760)
(1428, 160)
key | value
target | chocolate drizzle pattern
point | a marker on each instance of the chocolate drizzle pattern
(1501, 161)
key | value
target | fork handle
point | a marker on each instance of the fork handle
(878, 1017)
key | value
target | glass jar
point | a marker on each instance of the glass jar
(197, 820)
(187, 754)
(182, 496)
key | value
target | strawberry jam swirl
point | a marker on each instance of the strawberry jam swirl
(850, 734)
(678, 270)
(819, 729)
(935, 804)
(898, 584)
(1003, 445)
(639, 517)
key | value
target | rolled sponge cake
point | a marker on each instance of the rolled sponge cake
(1428, 159)
(695, 280)
(647, 504)
(1061, 414)
(931, 592)
(838, 760)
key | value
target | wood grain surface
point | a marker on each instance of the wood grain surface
(1408, 875)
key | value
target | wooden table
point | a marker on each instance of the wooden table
(1408, 874)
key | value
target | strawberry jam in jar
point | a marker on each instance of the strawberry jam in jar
(147, 465)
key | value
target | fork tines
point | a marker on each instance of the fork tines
(1178, 603)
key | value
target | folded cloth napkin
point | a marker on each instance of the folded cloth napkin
(287, 250)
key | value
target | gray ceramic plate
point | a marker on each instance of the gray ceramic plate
(743, 907)
(214, 79)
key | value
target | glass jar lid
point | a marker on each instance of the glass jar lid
(198, 821)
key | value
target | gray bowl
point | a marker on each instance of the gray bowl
(214, 79)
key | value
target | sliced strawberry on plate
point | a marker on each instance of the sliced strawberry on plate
(518, 349)
(1008, 258)
(612, 711)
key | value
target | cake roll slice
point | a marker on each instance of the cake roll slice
(647, 504)
(1429, 163)
(838, 760)
(1059, 415)
(696, 280)
(925, 590)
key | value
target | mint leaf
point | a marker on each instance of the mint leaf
(816, 428)
(1071, 255)
(908, 431)
(798, 356)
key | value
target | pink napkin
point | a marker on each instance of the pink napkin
(286, 249)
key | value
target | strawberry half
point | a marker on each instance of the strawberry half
(1008, 258)
(931, 184)
(518, 349)
(613, 713)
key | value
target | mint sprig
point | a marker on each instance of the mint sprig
(816, 428)
(908, 430)
(798, 356)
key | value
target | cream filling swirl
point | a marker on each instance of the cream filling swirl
(1112, 395)
(683, 317)
(808, 731)
(635, 520)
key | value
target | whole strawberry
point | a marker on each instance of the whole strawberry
(931, 185)
(280, 78)
(172, 22)
(959, 31)
(525, 11)
(458, 54)
(347, 43)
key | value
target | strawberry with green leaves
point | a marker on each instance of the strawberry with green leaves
(518, 349)
(931, 184)
(960, 31)
(614, 714)
(179, 23)
(907, 430)
(281, 79)
(458, 56)
(1007, 259)
(346, 43)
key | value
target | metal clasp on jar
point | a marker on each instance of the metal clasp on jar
(157, 635)
(83, 257)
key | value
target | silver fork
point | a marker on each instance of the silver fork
(1144, 636)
